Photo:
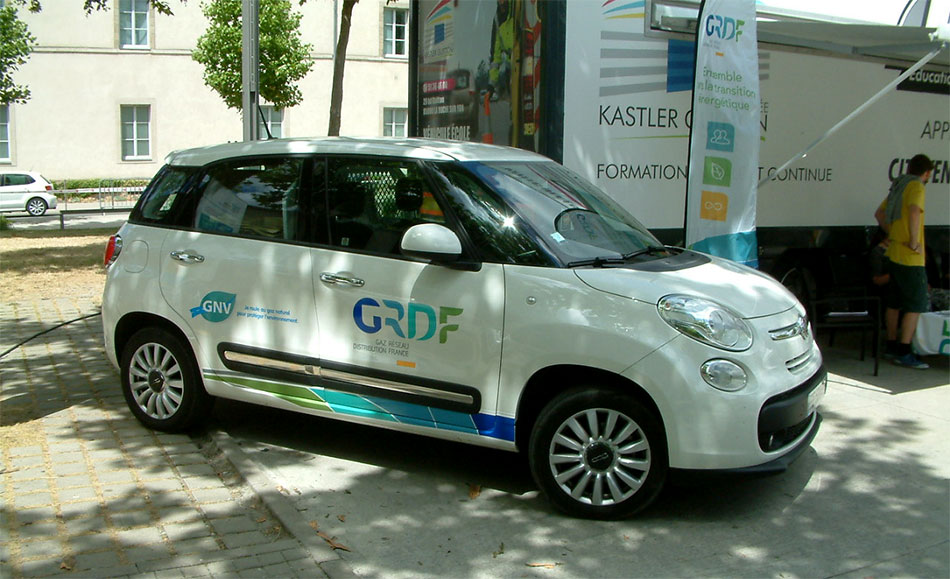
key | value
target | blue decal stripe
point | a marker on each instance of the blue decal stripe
(680, 65)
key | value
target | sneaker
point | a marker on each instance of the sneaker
(911, 361)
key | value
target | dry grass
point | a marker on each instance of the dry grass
(52, 263)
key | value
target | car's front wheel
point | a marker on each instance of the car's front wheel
(161, 382)
(598, 453)
(36, 206)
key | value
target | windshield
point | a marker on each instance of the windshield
(574, 219)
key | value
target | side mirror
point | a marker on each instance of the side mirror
(432, 242)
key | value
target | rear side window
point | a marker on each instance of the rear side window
(17, 179)
(251, 198)
(158, 200)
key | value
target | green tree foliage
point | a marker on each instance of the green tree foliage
(16, 44)
(284, 58)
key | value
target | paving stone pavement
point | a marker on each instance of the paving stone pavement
(85, 490)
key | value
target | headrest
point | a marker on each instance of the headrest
(408, 194)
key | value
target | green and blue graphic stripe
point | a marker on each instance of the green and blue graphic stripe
(374, 407)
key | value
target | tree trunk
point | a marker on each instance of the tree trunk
(336, 94)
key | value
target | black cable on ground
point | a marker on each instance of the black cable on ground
(46, 331)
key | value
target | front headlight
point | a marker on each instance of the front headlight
(706, 321)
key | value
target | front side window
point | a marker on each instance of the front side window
(497, 231)
(133, 23)
(394, 32)
(136, 133)
(270, 118)
(373, 202)
(395, 122)
(251, 198)
(4, 133)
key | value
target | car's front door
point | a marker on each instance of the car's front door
(413, 343)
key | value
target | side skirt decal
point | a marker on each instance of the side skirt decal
(332, 401)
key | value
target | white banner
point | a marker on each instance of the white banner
(724, 139)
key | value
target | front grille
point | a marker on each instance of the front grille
(785, 417)
(769, 441)
(798, 363)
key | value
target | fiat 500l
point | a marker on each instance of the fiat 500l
(463, 291)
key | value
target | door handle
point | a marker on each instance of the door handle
(186, 257)
(333, 279)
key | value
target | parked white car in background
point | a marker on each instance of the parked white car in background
(25, 191)
(457, 290)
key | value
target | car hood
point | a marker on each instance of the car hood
(747, 292)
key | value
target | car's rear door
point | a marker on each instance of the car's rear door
(13, 189)
(238, 272)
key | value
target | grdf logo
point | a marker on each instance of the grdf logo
(724, 27)
(405, 321)
(215, 307)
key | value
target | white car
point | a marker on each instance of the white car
(25, 191)
(463, 291)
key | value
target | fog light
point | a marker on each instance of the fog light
(724, 375)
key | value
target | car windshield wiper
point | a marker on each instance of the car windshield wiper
(599, 261)
(650, 249)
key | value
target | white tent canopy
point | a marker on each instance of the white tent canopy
(908, 46)
(816, 32)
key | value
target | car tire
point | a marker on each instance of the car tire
(36, 206)
(598, 453)
(161, 382)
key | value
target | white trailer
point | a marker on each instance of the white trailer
(606, 88)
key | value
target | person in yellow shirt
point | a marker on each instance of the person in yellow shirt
(901, 215)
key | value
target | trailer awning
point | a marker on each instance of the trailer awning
(912, 46)
(833, 36)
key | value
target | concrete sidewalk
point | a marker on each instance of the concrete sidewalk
(85, 490)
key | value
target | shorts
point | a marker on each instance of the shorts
(907, 290)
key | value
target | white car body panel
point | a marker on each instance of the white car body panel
(327, 331)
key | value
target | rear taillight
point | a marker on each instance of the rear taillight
(49, 187)
(113, 249)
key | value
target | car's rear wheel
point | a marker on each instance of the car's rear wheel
(161, 382)
(36, 206)
(597, 453)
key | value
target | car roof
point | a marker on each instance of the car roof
(8, 171)
(425, 149)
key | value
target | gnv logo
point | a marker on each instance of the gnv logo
(724, 27)
(401, 318)
(215, 307)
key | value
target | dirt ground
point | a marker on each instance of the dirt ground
(60, 264)
(48, 264)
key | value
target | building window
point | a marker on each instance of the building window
(274, 119)
(395, 122)
(136, 133)
(5, 133)
(133, 23)
(394, 32)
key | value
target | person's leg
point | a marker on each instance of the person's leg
(914, 301)
(891, 317)
(909, 326)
